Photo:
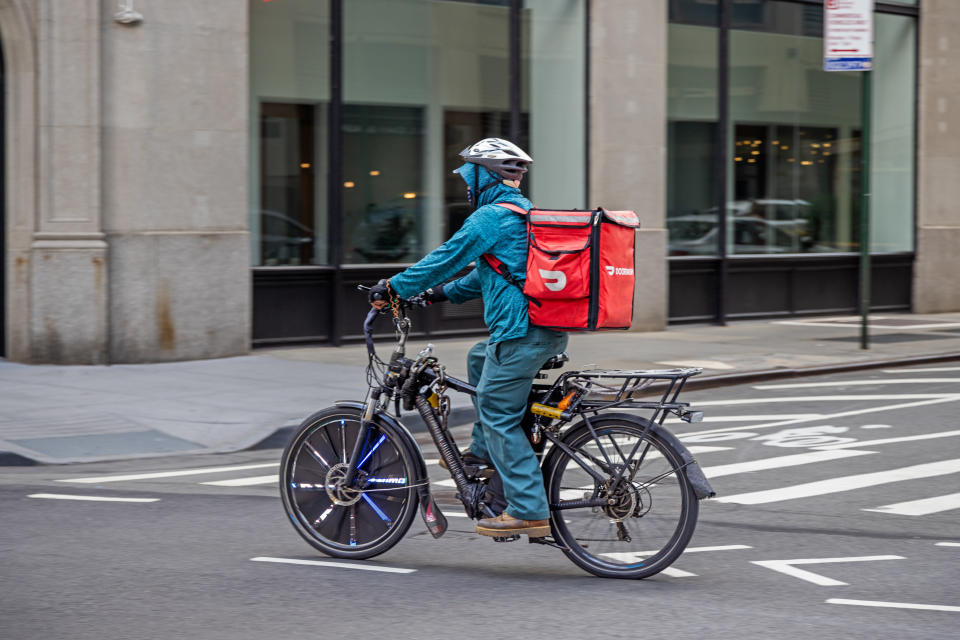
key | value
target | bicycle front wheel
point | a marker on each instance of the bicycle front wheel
(357, 520)
(645, 521)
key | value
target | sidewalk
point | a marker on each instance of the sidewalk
(60, 414)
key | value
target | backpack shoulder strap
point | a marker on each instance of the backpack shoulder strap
(512, 207)
(497, 265)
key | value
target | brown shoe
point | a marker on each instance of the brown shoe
(506, 525)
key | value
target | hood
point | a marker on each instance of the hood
(499, 192)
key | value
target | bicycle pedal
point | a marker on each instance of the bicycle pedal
(505, 538)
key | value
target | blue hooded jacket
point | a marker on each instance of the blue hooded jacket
(489, 229)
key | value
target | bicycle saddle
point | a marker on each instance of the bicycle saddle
(555, 362)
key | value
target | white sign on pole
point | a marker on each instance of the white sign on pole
(848, 35)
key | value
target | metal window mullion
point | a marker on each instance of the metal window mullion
(720, 157)
(335, 171)
(516, 69)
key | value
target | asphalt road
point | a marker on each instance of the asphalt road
(877, 531)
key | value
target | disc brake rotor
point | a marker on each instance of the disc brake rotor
(337, 490)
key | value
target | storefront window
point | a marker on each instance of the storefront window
(892, 152)
(289, 97)
(793, 179)
(424, 78)
(554, 63)
(692, 215)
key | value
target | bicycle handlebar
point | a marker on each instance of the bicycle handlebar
(404, 303)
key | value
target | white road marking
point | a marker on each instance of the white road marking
(853, 383)
(61, 496)
(168, 474)
(455, 514)
(699, 364)
(845, 483)
(779, 462)
(245, 482)
(444, 483)
(833, 398)
(637, 556)
(935, 399)
(893, 605)
(948, 544)
(787, 567)
(338, 565)
(751, 418)
(871, 443)
(875, 426)
(927, 370)
(922, 507)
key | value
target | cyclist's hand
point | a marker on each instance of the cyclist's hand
(380, 295)
(435, 295)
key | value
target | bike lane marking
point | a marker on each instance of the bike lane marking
(931, 399)
(947, 544)
(636, 556)
(245, 482)
(780, 462)
(167, 474)
(787, 567)
(853, 383)
(870, 443)
(921, 507)
(892, 605)
(844, 483)
(63, 496)
(338, 565)
(927, 370)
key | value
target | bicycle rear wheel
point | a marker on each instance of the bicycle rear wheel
(365, 518)
(645, 524)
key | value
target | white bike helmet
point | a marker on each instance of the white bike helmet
(500, 156)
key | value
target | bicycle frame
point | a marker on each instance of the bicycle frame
(418, 382)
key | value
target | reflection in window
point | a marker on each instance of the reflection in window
(383, 183)
(286, 228)
(461, 129)
(795, 177)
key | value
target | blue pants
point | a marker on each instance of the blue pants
(503, 374)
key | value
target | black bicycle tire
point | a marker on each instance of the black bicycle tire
(399, 526)
(681, 535)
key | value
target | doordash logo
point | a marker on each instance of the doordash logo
(618, 271)
(553, 280)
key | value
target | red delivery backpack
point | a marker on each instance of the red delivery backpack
(579, 268)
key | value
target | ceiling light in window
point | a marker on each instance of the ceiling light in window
(304, 165)
(374, 173)
(349, 185)
(409, 195)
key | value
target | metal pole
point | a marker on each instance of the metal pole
(865, 212)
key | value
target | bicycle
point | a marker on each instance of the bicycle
(623, 491)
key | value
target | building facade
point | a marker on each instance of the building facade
(185, 180)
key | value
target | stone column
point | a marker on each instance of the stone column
(628, 70)
(937, 270)
(68, 274)
(17, 30)
(175, 206)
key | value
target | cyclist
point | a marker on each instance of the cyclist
(502, 367)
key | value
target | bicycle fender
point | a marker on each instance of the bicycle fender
(430, 511)
(412, 447)
(701, 486)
